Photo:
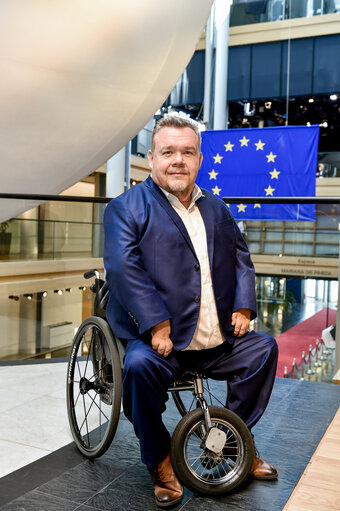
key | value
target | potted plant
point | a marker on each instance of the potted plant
(5, 239)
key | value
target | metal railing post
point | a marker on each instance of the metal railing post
(302, 377)
(310, 370)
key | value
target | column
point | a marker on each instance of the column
(222, 18)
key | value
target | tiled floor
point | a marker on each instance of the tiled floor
(33, 413)
(35, 424)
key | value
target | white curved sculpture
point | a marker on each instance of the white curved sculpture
(79, 78)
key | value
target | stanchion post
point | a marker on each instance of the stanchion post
(293, 368)
(324, 354)
(310, 370)
(302, 377)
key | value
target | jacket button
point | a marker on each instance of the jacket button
(196, 267)
(197, 299)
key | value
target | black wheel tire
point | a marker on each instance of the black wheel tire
(192, 477)
(93, 413)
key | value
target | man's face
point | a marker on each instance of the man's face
(175, 160)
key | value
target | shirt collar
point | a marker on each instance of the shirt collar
(196, 194)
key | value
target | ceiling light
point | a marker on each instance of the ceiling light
(311, 100)
(44, 293)
(68, 289)
(28, 296)
(333, 97)
(268, 104)
(81, 288)
(58, 291)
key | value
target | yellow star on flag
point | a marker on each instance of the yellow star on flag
(216, 190)
(271, 157)
(259, 145)
(257, 205)
(269, 190)
(213, 174)
(229, 146)
(241, 208)
(244, 141)
(217, 158)
(275, 174)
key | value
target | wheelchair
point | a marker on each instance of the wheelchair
(211, 448)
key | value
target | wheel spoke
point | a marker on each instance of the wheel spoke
(94, 402)
(78, 367)
(75, 404)
(88, 352)
(88, 411)
(87, 429)
(212, 397)
(100, 418)
(108, 364)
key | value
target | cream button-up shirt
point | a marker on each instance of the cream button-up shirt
(208, 333)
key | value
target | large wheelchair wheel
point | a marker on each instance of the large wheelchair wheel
(94, 387)
(206, 471)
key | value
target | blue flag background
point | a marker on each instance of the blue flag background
(262, 162)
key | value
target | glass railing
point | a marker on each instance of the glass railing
(69, 229)
(55, 229)
(290, 240)
(260, 11)
(49, 239)
(42, 305)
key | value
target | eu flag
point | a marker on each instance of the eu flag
(262, 162)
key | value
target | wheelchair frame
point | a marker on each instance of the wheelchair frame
(211, 448)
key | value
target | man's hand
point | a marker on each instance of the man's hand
(161, 341)
(240, 320)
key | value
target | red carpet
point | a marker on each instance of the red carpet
(298, 338)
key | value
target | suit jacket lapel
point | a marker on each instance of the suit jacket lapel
(161, 198)
(208, 219)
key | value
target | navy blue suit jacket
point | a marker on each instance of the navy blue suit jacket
(153, 271)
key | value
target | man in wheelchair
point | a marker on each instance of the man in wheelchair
(182, 292)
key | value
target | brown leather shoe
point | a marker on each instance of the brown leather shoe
(261, 469)
(168, 489)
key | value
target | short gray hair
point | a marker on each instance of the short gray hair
(172, 121)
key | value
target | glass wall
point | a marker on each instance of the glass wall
(41, 324)
(53, 230)
(244, 12)
(319, 238)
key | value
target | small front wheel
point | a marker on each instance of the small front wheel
(94, 387)
(205, 471)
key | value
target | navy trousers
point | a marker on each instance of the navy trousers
(249, 366)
